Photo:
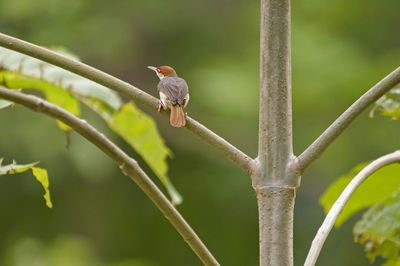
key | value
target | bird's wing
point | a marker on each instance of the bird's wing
(174, 88)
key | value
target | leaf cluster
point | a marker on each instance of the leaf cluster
(68, 90)
(379, 230)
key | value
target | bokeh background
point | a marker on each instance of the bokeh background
(340, 49)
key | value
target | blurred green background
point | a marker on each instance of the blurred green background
(339, 50)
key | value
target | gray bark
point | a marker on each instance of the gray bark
(275, 180)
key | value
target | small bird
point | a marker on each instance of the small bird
(174, 94)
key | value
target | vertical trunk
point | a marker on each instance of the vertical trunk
(276, 179)
(275, 207)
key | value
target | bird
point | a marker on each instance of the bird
(174, 94)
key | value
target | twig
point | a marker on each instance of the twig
(238, 157)
(127, 165)
(339, 204)
(343, 121)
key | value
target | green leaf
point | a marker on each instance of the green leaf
(5, 104)
(379, 230)
(376, 188)
(140, 131)
(54, 94)
(39, 173)
(43, 178)
(388, 105)
(41, 71)
(62, 88)
(15, 168)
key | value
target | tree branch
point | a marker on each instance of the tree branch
(343, 121)
(339, 204)
(127, 165)
(242, 160)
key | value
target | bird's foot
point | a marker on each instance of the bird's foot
(160, 105)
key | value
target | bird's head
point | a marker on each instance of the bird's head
(163, 71)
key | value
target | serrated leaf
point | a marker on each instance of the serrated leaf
(376, 188)
(43, 178)
(379, 230)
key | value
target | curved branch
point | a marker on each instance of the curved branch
(339, 204)
(242, 160)
(343, 121)
(127, 165)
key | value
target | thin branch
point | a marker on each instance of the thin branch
(242, 160)
(339, 204)
(127, 165)
(343, 121)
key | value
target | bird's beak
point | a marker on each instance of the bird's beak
(152, 68)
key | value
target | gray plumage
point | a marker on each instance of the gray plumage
(175, 88)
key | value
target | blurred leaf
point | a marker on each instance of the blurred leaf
(379, 230)
(26, 251)
(39, 173)
(392, 262)
(62, 88)
(72, 250)
(43, 178)
(4, 104)
(14, 168)
(36, 69)
(376, 188)
(388, 105)
(54, 94)
(62, 251)
(140, 131)
(135, 262)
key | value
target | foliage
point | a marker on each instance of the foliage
(140, 131)
(388, 105)
(61, 251)
(340, 49)
(4, 103)
(65, 89)
(379, 230)
(54, 94)
(43, 178)
(39, 173)
(376, 188)
(379, 227)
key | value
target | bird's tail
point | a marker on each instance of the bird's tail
(178, 117)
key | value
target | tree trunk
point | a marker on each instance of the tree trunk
(275, 206)
(276, 179)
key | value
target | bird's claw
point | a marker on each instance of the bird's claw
(160, 104)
